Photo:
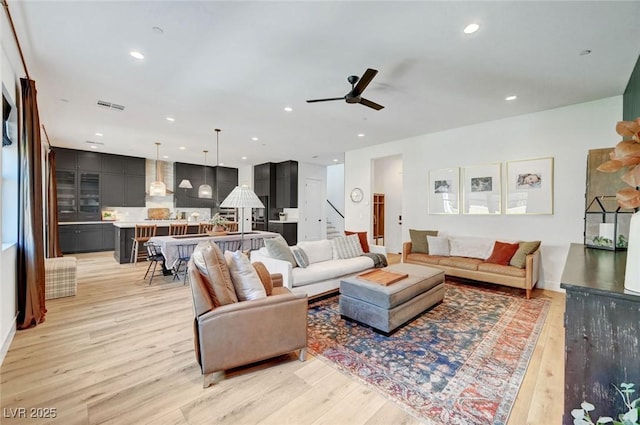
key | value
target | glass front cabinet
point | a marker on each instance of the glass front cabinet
(606, 225)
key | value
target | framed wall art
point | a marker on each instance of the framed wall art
(444, 191)
(482, 189)
(530, 186)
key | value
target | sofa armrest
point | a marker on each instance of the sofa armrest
(276, 280)
(532, 269)
(276, 267)
(378, 249)
(406, 250)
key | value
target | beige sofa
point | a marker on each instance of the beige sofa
(477, 269)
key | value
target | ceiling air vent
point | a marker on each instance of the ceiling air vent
(93, 143)
(110, 105)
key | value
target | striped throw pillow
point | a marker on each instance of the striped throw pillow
(346, 247)
(301, 257)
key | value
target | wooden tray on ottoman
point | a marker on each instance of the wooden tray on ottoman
(382, 277)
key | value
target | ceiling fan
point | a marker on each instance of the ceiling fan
(354, 96)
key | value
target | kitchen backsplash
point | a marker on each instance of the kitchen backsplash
(140, 213)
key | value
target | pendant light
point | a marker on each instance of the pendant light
(217, 161)
(157, 188)
(205, 191)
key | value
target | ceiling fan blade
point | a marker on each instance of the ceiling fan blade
(364, 81)
(371, 104)
(325, 100)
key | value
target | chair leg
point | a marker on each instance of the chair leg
(145, 275)
(212, 378)
(134, 252)
(176, 270)
(153, 273)
(302, 354)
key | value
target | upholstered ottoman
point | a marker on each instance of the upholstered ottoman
(385, 308)
(60, 277)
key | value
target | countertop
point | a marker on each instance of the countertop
(64, 223)
(283, 221)
(159, 223)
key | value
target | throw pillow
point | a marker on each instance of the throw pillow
(210, 261)
(278, 249)
(345, 247)
(301, 257)
(244, 277)
(419, 240)
(519, 259)
(502, 253)
(265, 276)
(317, 251)
(471, 247)
(438, 245)
(364, 242)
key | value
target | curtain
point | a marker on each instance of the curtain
(53, 240)
(30, 267)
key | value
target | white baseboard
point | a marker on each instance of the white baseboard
(7, 341)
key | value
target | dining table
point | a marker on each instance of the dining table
(230, 241)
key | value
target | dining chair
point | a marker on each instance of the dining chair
(184, 255)
(205, 227)
(178, 228)
(143, 232)
(154, 255)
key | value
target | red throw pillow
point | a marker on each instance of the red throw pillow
(502, 253)
(364, 243)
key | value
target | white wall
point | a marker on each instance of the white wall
(565, 133)
(315, 172)
(245, 177)
(335, 194)
(10, 72)
(388, 181)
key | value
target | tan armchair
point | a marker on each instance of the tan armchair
(244, 332)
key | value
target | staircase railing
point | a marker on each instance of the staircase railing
(335, 209)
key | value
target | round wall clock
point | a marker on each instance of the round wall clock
(357, 195)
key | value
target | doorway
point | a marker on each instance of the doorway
(387, 202)
(313, 210)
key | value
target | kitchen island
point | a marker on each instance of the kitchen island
(125, 230)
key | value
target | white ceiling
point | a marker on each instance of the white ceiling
(236, 65)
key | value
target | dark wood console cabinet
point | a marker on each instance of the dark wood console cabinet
(602, 329)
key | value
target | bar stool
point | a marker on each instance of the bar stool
(143, 232)
(178, 229)
(231, 226)
(205, 227)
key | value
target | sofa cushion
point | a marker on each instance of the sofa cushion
(438, 245)
(419, 240)
(424, 258)
(345, 247)
(244, 277)
(461, 262)
(265, 276)
(278, 249)
(502, 253)
(471, 247)
(210, 261)
(317, 251)
(524, 249)
(301, 257)
(333, 269)
(364, 241)
(499, 269)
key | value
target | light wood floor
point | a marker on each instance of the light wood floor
(121, 352)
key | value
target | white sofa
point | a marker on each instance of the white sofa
(324, 271)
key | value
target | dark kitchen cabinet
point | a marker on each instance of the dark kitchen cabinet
(76, 238)
(78, 195)
(221, 179)
(287, 184)
(112, 190)
(601, 327)
(123, 181)
(289, 231)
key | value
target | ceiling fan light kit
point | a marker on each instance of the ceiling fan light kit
(357, 87)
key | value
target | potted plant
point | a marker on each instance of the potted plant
(630, 417)
(219, 222)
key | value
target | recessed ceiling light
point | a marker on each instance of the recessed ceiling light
(165, 156)
(94, 147)
(288, 108)
(136, 55)
(335, 160)
(585, 52)
(255, 139)
(171, 119)
(182, 148)
(360, 134)
(99, 134)
(244, 157)
(509, 98)
(221, 164)
(471, 28)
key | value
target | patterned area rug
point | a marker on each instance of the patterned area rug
(460, 363)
